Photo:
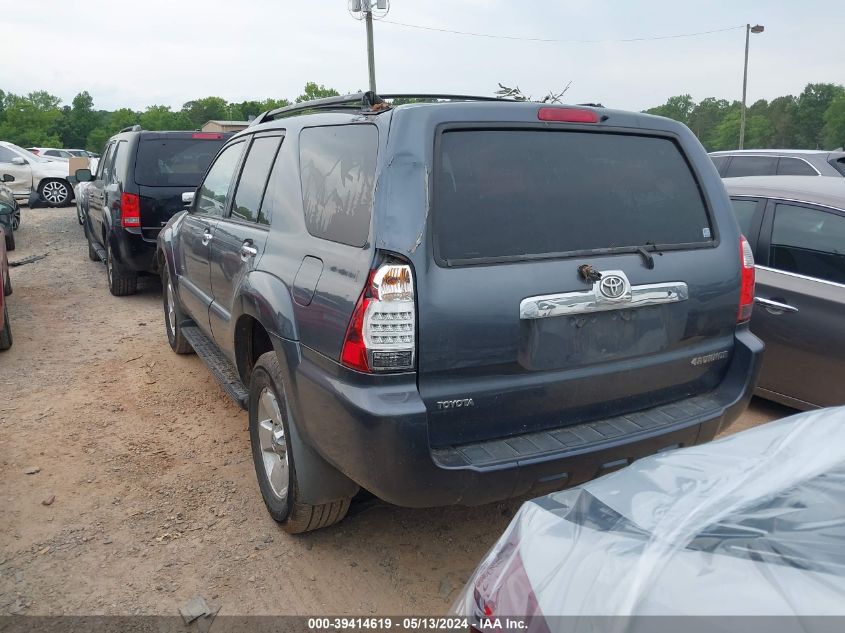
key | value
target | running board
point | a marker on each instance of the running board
(220, 367)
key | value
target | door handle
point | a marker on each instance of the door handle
(248, 250)
(206, 237)
(775, 307)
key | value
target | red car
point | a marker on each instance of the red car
(5, 291)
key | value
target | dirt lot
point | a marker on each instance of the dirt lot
(145, 493)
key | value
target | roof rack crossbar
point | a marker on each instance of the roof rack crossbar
(131, 128)
(445, 97)
(365, 101)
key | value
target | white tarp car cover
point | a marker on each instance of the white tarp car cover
(753, 524)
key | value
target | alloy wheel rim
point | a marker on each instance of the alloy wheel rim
(54, 192)
(271, 439)
(16, 220)
(171, 310)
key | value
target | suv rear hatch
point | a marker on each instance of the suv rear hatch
(516, 333)
(167, 165)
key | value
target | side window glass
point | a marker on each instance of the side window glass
(253, 180)
(121, 158)
(6, 155)
(102, 167)
(215, 187)
(337, 167)
(808, 242)
(795, 167)
(752, 166)
(744, 212)
(720, 162)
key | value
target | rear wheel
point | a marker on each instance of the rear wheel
(122, 282)
(6, 331)
(56, 193)
(269, 432)
(173, 316)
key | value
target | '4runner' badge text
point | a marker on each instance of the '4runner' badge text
(454, 404)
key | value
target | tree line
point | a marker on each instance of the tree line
(38, 119)
(815, 119)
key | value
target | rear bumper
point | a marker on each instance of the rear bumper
(132, 250)
(375, 431)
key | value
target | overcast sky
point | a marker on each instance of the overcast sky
(137, 53)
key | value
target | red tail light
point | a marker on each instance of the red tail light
(381, 333)
(567, 115)
(746, 292)
(130, 210)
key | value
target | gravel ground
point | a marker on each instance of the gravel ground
(145, 494)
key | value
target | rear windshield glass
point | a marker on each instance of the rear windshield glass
(535, 193)
(174, 162)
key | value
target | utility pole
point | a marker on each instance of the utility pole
(371, 55)
(748, 31)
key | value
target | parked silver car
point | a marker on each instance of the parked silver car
(796, 227)
(779, 162)
(748, 525)
(47, 178)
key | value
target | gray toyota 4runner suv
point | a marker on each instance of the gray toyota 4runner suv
(460, 301)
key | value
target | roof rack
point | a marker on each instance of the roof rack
(131, 128)
(363, 101)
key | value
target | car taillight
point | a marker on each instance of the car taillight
(130, 210)
(381, 334)
(746, 291)
(503, 589)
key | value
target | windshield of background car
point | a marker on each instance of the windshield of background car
(25, 153)
(514, 194)
(174, 162)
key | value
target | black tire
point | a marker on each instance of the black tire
(293, 515)
(80, 216)
(92, 254)
(178, 343)
(10, 241)
(55, 192)
(16, 219)
(122, 282)
(6, 331)
(7, 283)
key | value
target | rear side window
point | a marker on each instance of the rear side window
(338, 167)
(121, 160)
(752, 166)
(517, 194)
(253, 180)
(744, 212)
(795, 167)
(808, 242)
(839, 164)
(175, 162)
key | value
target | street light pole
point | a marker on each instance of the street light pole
(748, 30)
(371, 56)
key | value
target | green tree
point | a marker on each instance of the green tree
(705, 118)
(31, 120)
(782, 117)
(159, 117)
(809, 114)
(678, 108)
(834, 123)
(200, 111)
(313, 91)
(80, 120)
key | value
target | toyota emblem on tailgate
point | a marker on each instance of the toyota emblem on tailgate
(612, 286)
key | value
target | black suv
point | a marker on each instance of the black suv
(461, 301)
(138, 187)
